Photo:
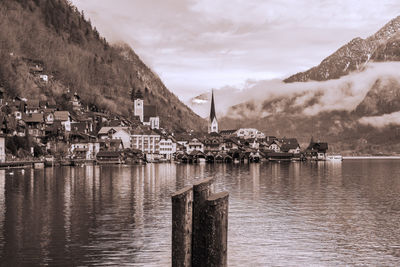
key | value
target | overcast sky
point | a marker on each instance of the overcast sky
(198, 45)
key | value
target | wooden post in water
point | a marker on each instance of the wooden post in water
(199, 226)
(182, 211)
(201, 192)
(216, 230)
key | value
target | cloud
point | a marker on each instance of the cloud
(197, 45)
(309, 98)
(382, 121)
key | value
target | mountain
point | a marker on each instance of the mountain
(382, 98)
(351, 99)
(54, 37)
(384, 45)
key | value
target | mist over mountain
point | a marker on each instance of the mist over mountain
(351, 99)
(57, 38)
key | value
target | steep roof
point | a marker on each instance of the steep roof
(32, 104)
(31, 118)
(289, 143)
(105, 130)
(61, 115)
(212, 111)
(318, 146)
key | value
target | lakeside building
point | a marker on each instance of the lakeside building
(167, 147)
(145, 140)
(118, 132)
(316, 150)
(194, 145)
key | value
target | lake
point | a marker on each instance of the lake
(280, 214)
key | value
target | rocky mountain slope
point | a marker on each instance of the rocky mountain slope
(384, 45)
(55, 37)
(351, 100)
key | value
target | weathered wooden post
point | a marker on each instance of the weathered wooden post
(199, 226)
(216, 230)
(182, 212)
(201, 191)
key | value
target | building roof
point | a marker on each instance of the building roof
(289, 143)
(318, 146)
(78, 126)
(105, 130)
(33, 118)
(141, 130)
(212, 111)
(61, 115)
(108, 154)
(32, 104)
(227, 132)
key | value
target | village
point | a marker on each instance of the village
(34, 130)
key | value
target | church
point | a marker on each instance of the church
(213, 122)
(147, 114)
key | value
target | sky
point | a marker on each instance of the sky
(195, 46)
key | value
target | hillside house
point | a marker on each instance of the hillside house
(32, 106)
(118, 132)
(64, 118)
(34, 123)
(76, 102)
(48, 117)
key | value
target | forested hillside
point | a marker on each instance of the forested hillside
(54, 36)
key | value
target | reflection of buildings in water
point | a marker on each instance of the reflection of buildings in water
(138, 194)
(2, 202)
(336, 170)
(255, 174)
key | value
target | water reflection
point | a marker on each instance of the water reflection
(280, 213)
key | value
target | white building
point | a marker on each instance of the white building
(88, 149)
(247, 133)
(167, 147)
(275, 146)
(108, 132)
(124, 135)
(193, 145)
(145, 140)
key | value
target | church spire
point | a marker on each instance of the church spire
(212, 112)
(213, 123)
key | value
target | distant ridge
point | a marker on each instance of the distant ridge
(384, 45)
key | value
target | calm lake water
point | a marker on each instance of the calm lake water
(280, 214)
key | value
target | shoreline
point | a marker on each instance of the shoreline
(370, 157)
